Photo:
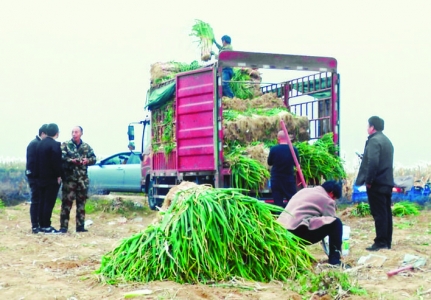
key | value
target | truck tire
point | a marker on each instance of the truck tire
(152, 203)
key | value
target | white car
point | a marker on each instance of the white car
(120, 172)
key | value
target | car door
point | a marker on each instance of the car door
(132, 173)
(109, 173)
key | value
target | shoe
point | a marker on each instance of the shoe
(63, 230)
(35, 230)
(81, 229)
(375, 247)
(49, 230)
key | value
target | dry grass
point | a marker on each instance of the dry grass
(269, 100)
(420, 172)
(184, 185)
(161, 69)
(260, 153)
(262, 128)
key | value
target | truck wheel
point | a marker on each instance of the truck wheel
(152, 203)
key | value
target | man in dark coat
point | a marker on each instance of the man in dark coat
(30, 172)
(283, 180)
(376, 172)
(49, 172)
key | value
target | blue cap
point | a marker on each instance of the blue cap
(226, 38)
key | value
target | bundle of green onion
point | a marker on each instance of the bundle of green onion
(205, 34)
(209, 234)
(247, 173)
(241, 86)
(320, 160)
(361, 210)
(405, 208)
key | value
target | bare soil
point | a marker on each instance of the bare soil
(39, 266)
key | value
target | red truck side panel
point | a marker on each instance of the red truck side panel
(195, 121)
(163, 162)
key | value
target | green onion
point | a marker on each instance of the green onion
(361, 210)
(247, 173)
(405, 208)
(205, 34)
(206, 235)
(320, 160)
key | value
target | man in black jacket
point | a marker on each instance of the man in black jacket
(49, 172)
(283, 180)
(376, 172)
(30, 172)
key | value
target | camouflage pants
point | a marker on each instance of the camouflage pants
(73, 190)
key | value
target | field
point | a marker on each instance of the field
(61, 266)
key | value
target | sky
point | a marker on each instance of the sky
(87, 63)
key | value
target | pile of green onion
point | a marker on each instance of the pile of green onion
(209, 235)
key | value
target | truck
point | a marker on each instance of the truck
(197, 154)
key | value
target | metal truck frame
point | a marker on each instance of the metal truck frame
(198, 156)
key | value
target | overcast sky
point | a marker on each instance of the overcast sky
(87, 62)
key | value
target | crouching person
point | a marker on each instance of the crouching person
(310, 215)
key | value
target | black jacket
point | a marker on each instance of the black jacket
(377, 163)
(30, 168)
(282, 162)
(48, 161)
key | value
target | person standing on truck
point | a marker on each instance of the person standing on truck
(310, 215)
(48, 159)
(376, 172)
(76, 155)
(31, 173)
(283, 180)
(227, 72)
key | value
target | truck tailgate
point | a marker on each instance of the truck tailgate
(195, 121)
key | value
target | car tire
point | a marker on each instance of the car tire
(104, 192)
(152, 203)
(98, 192)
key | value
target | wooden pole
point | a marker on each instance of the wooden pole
(298, 167)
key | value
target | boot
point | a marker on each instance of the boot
(81, 229)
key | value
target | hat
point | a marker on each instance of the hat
(226, 38)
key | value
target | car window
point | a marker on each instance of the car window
(133, 159)
(116, 160)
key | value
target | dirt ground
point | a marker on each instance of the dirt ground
(61, 266)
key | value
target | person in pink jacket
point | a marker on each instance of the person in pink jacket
(310, 215)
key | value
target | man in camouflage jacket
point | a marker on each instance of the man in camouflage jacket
(76, 155)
